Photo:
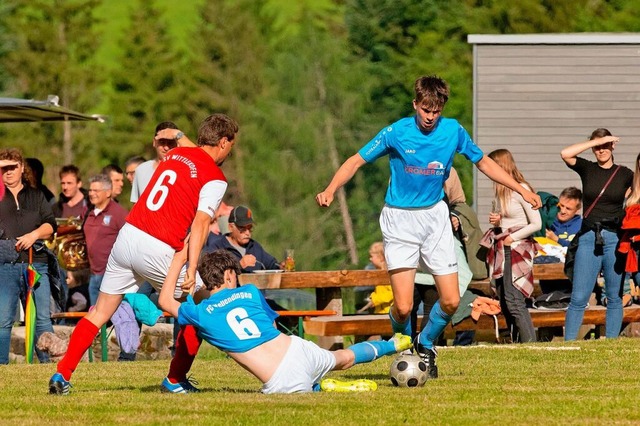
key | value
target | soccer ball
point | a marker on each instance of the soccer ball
(408, 371)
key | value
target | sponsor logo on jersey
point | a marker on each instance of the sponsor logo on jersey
(434, 168)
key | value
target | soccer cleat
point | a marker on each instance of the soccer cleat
(360, 385)
(402, 342)
(58, 385)
(428, 356)
(180, 387)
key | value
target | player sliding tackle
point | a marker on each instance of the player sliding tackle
(239, 321)
(415, 220)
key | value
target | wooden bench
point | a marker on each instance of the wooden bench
(379, 324)
(328, 285)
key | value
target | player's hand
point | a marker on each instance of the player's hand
(189, 282)
(455, 222)
(169, 134)
(324, 199)
(551, 235)
(494, 219)
(533, 199)
(247, 261)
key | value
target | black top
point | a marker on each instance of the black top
(593, 177)
(31, 211)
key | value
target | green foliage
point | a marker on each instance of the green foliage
(483, 385)
(307, 80)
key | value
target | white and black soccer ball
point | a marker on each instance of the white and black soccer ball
(408, 371)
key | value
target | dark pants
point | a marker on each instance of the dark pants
(513, 305)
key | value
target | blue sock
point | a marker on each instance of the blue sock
(438, 320)
(372, 350)
(399, 327)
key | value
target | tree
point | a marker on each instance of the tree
(48, 50)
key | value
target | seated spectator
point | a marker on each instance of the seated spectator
(220, 223)
(239, 242)
(78, 285)
(568, 221)
(381, 298)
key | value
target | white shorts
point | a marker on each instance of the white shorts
(419, 237)
(304, 364)
(137, 257)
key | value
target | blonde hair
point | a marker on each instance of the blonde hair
(634, 197)
(377, 247)
(505, 160)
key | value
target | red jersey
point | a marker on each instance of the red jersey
(180, 186)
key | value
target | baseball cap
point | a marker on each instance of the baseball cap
(241, 216)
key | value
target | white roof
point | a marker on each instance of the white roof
(555, 38)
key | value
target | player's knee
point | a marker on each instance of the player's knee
(403, 312)
(450, 305)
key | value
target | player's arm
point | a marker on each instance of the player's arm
(210, 198)
(497, 174)
(342, 176)
(199, 233)
(166, 299)
(173, 134)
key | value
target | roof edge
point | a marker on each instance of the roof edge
(555, 38)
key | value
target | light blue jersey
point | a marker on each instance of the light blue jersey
(233, 320)
(419, 161)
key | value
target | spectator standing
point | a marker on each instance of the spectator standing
(415, 221)
(26, 220)
(37, 168)
(101, 228)
(117, 179)
(73, 201)
(251, 255)
(514, 245)
(185, 192)
(144, 171)
(131, 165)
(604, 186)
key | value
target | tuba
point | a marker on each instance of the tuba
(69, 244)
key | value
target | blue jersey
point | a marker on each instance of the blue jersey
(233, 320)
(419, 161)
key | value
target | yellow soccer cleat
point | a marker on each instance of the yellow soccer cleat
(402, 342)
(360, 385)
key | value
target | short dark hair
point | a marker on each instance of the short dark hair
(106, 170)
(572, 193)
(212, 265)
(599, 133)
(165, 125)
(216, 127)
(431, 91)
(70, 169)
(138, 159)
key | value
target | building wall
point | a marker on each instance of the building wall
(535, 99)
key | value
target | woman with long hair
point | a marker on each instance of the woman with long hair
(517, 222)
(604, 186)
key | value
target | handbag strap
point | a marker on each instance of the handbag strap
(601, 192)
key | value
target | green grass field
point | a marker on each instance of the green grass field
(591, 382)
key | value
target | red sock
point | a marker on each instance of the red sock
(81, 340)
(187, 345)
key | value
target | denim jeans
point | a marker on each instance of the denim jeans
(513, 305)
(588, 264)
(94, 288)
(12, 288)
